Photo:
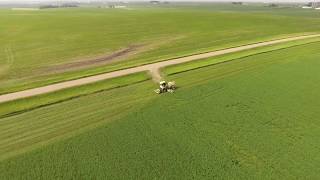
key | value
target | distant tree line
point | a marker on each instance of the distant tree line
(66, 5)
(237, 3)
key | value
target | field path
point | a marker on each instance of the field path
(153, 68)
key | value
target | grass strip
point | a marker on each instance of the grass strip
(22, 105)
(179, 68)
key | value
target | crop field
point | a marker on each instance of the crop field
(47, 46)
(255, 117)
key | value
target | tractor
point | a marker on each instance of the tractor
(166, 87)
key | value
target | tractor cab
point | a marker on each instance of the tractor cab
(163, 86)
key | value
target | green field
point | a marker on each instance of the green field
(26, 104)
(251, 118)
(47, 46)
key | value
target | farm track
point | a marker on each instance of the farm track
(153, 68)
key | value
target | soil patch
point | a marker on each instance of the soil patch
(118, 55)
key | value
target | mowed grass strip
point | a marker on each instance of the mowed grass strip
(23, 105)
(72, 117)
(32, 48)
(254, 118)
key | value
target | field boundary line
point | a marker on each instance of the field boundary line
(241, 57)
(13, 113)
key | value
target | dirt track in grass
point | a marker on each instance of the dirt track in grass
(153, 68)
(110, 58)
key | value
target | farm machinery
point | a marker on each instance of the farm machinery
(166, 87)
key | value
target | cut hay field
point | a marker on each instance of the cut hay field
(47, 46)
(251, 118)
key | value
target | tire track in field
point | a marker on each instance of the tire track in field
(153, 68)
(9, 60)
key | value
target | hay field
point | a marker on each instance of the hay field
(251, 118)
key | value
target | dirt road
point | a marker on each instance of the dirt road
(153, 68)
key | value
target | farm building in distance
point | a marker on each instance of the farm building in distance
(315, 4)
(312, 5)
(116, 6)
